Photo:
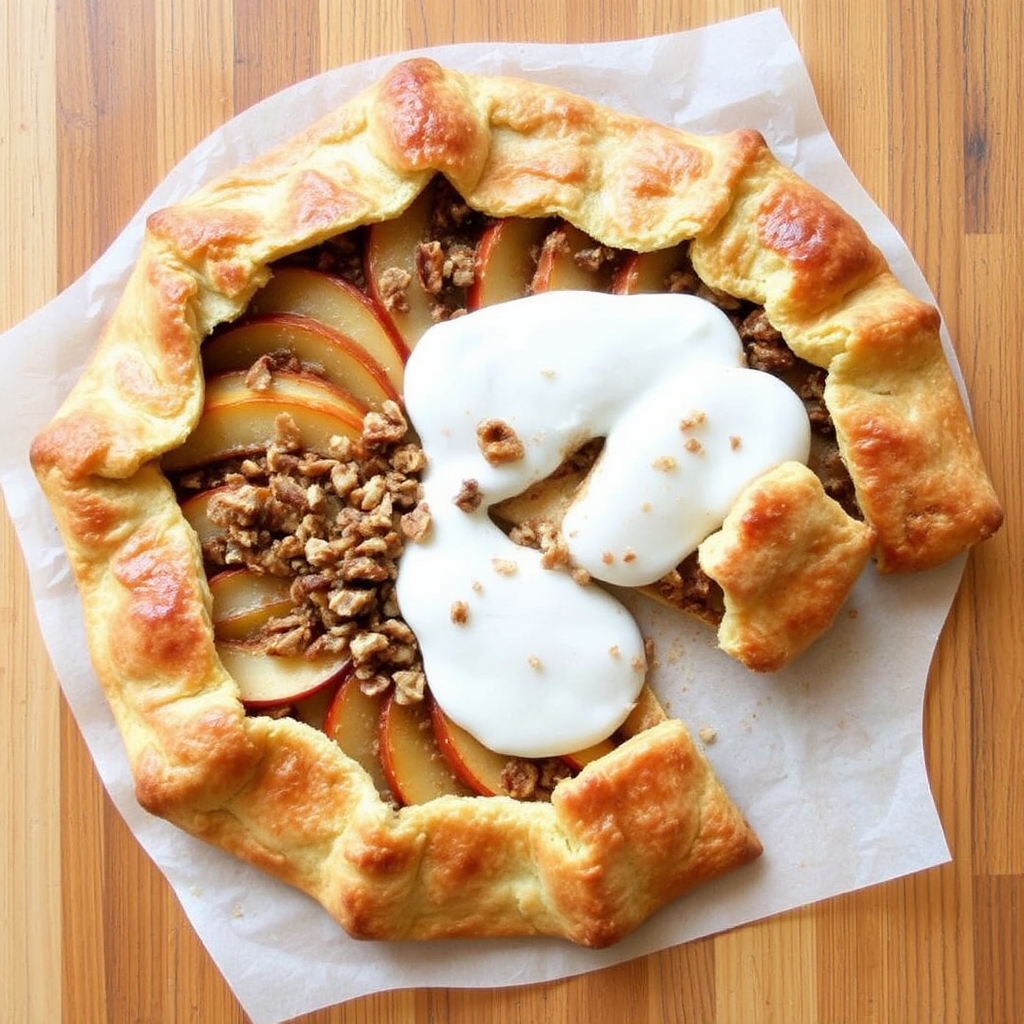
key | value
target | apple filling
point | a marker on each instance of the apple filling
(302, 478)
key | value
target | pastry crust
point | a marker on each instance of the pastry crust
(786, 558)
(640, 825)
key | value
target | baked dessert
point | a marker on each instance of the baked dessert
(195, 441)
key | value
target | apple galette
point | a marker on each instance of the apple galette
(382, 415)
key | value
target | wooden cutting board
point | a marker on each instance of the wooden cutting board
(104, 96)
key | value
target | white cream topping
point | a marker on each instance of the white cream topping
(524, 658)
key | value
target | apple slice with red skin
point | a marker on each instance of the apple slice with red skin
(244, 600)
(345, 362)
(557, 268)
(339, 304)
(353, 722)
(476, 765)
(237, 420)
(391, 245)
(413, 765)
(506, 260)
(579, 759)
(313, 709)
(271, 680)
(481, 768)
(643, 272)
(195, 510)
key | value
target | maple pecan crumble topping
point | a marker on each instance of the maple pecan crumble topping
(469, 497)
(498, 441)
(334, 522)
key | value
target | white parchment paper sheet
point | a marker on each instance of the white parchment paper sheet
(825, 757)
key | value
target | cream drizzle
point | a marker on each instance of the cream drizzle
(534, 664)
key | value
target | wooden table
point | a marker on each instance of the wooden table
(103, 96)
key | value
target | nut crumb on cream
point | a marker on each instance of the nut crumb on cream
(469, 497)
(459, 613)
(664, 464)
(504, 566)
(498, 442)
(694, 446)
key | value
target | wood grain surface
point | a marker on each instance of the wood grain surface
(102, 97)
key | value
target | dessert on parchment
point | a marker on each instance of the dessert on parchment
(382, 412)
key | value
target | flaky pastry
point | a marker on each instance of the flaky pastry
(644, 823)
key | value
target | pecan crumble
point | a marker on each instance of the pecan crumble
(498, 442)
(334, 522)
(469, 497)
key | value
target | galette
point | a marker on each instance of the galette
(386, 419)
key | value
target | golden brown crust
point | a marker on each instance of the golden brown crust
(637, 827)
(786, 559)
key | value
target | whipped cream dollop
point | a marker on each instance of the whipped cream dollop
(525, 658)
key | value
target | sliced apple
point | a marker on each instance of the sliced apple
(413, 765)
(345, 362)
(646, 713)
(391, 247)
(266, 680)
(244, 600)
(506, 260)
(195, 509)
(353, 722)
(648, 271)
(558, 269)
(476, 765)
(339, 304)
(579, 759)
(313, 709)
(237, 420)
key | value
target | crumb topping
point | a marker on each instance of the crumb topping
(498, 442)
(469, 497)
(335, 523)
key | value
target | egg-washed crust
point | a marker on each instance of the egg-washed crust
(640, 825)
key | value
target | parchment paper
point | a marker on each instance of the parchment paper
(825, 758)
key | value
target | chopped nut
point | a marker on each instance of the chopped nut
(734, 442)
(695, 419)
(519, 778)
(534, 662)
(260, 375)
(707, 734)
(504, 566)
(409, 686)
(469, 497)
(392, 284)
(498, 442)
(429, 258)
(286, 433)
(580, 576)
(694, 446)
(459, 613)
(415, 525)
(664, 464)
